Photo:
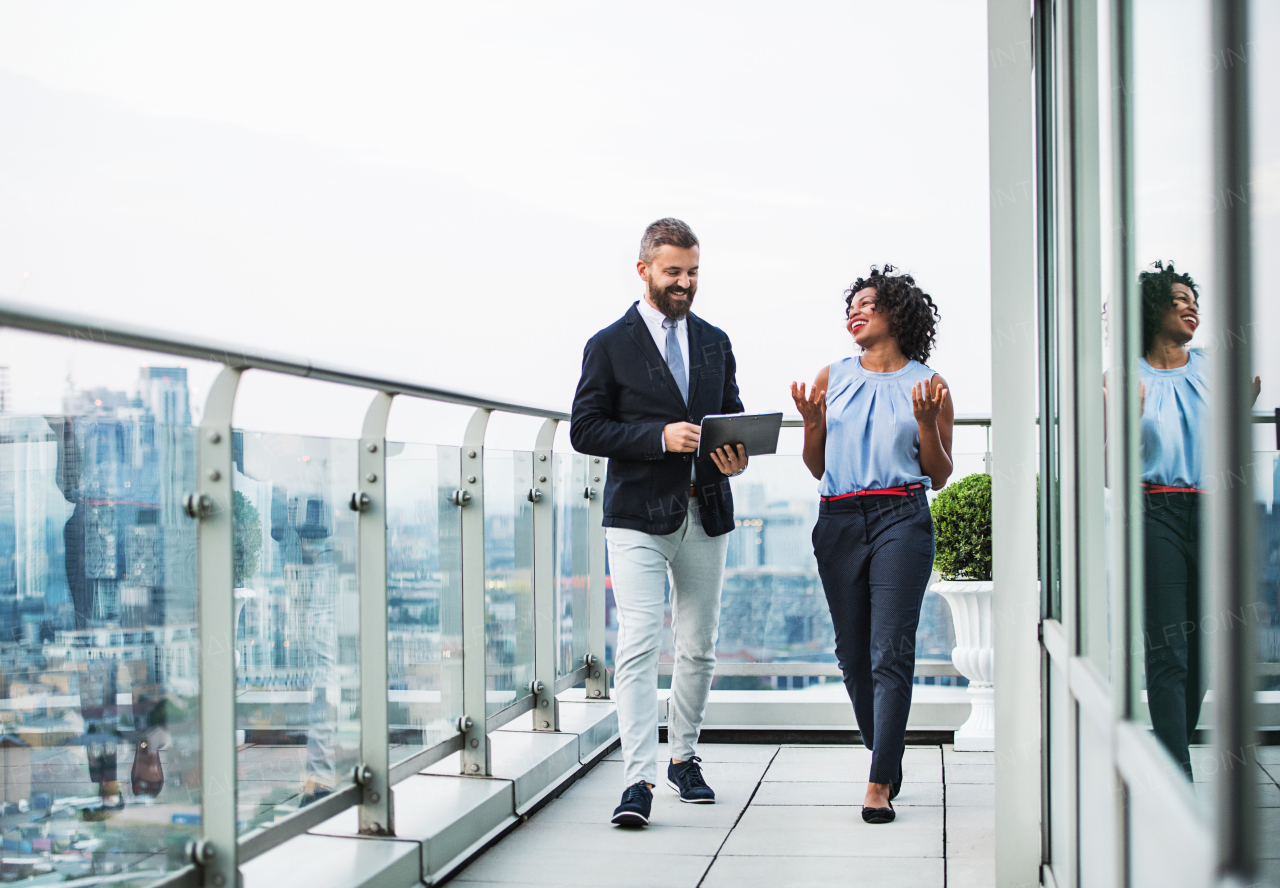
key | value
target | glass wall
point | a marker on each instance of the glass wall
(1264, 86)
(1172, 304)
(1177, 615)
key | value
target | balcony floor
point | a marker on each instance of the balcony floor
(785, 815)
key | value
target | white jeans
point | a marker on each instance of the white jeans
(640, 564)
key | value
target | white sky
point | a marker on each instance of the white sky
(456, 193)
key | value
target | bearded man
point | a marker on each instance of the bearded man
(647, 381)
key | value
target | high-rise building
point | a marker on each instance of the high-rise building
(163, 391)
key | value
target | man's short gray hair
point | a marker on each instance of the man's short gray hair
(666, 231)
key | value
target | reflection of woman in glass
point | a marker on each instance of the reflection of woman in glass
(877, 432)
(1173, 406)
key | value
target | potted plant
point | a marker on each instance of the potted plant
(962, 546)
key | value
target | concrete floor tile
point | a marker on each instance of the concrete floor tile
(590, 868)
(715, 752)
(605, 779)
(846, 771)
(731, 799)
(1268, 796)
(851, 838)
(536, 840)
(970, 842)
(922, 755)
(971, 873)
(810, 793)
(972, 817)
(785, 817)
(834, 831)
(959, 773)
(822, 754)
(950, 755)
(824, 872)
(1268, 755)
(971, 794)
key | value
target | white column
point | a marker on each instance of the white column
(1013, 446)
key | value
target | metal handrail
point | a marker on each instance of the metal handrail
(91, 329)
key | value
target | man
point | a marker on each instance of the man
(647, 382)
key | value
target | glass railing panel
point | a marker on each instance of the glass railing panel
(297, 621)
(572, 570)
(508, 578)
(99, 648)
(1266, 487)
(773, 608)
(424, 596)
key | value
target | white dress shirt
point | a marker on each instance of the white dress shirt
(653, 320)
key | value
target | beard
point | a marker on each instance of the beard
(675, 309)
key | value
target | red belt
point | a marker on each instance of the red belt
(1163, 488)
(904, 490)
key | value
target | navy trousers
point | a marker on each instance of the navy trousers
(875, 555)
(1171, 620)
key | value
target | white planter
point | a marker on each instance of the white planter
(974, 656)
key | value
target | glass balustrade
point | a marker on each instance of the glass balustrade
(508, 578)
(773, 609)
(99, 689)
(424, 597)
(297, 619)
(100, 529)
(572, 559)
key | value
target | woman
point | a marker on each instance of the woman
(877, 432)
(1174, 399)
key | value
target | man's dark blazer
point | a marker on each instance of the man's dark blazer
(626, 396)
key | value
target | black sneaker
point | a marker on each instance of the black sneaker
(636, 802)
(686, 779)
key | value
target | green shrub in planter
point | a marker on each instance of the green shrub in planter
(962, 529)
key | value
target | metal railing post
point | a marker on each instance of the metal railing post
(597, 675)
(377, 811)
(546, 709)
(212, 505)
(470, 498)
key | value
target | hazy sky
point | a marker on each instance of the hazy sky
(456, 193)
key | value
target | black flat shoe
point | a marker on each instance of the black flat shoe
(878, 815)
(896, 786)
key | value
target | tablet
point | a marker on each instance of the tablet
(758, 432)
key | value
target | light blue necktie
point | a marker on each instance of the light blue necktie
(675, 360)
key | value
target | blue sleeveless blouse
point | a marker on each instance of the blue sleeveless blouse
(873, 440)
(1173, 415)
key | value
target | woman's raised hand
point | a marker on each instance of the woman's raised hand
(812, 406)
(927, 404)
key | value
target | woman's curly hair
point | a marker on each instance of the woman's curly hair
(913, 318)
(1157, 297)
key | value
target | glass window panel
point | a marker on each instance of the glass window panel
(98, 634)
(1173, 217)
(572, 573)
(297, 621)
(424, 596)
(1264, 100)
(508, 574)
